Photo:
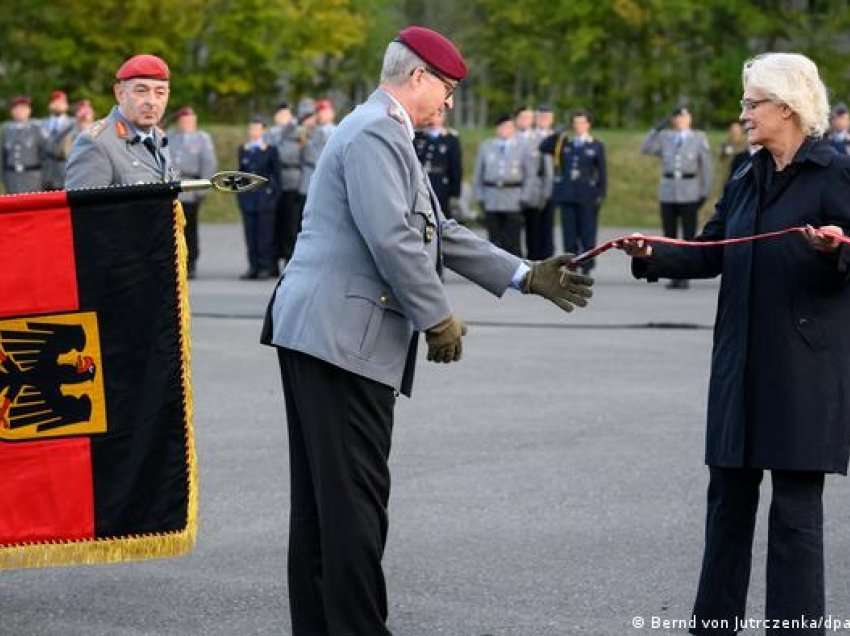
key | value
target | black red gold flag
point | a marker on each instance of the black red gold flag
(97, 458)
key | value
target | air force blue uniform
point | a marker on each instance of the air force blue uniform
(258, 208)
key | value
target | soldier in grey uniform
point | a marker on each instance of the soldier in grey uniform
(686, 174)
(537, 190)
(56, 128)
(318, 137)
(127, 147)
(23, 150)
(284, 136)
(363, 281)
(500, 172)
(194, 157)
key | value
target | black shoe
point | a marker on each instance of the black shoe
(265, 274)
(251, 274)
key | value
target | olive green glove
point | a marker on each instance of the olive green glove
(554, 281)
(444, 340)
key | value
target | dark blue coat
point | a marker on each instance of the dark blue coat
(581, 174)
(441, 157)
(265, 163)
(841, 145)
(779, 395)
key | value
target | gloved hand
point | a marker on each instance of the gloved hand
(552, 280)
(444, 340)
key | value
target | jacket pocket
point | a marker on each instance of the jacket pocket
(810, 330)
(376, 324)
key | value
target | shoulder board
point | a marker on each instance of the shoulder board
(743, 170)
(97, 127)
(395, 112)
(453, 132)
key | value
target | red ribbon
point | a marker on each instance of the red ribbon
(599, 249)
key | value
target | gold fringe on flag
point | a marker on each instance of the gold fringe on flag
(145, 546)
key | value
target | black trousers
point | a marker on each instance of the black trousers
(687, 212)
(539, 243)
(290, 206)
(259, 235)
(504, 230)
(795, 568)
(579, 223)
(340, 429)
(191, 212)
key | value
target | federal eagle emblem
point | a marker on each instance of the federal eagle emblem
(51, 380)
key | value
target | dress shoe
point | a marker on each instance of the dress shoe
(251, 274)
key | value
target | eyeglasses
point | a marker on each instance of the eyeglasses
(450, 88)
(748, 105)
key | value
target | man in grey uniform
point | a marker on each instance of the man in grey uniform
(364, 280)
(23, 150)
(284, 136)
(127, 147)
(318, 137)
(500, 172)
(536, 193)
(686, 174)
(56, 128)
(194, 157)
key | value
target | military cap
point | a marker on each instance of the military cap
(57, 95)
(183, 112)
(680, 110)
(257, 119)
(306, 107)
(544, 108)
(434, 49)
(322, 104)
(147, 66)
(82, 106)
(284, 105)
(501, 119)
(839, 108)
(20, 99)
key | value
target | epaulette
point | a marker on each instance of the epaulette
(121, 130)
(743, 170)
(453, 132)
(96, 128)
(395, 112)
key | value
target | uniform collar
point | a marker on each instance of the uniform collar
(407, 121)
(134, 133)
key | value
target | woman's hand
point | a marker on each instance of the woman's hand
(635, 246)
(824, 239)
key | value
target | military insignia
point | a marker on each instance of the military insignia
(121, 130)
(51, 380)
(428, 235)
(395, 112)
(443, 148)
(97, 127)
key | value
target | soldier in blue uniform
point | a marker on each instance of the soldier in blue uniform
(581, 182)
(438, 149)
(839, 128)
(258, 207)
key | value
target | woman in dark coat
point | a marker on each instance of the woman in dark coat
(779, 395)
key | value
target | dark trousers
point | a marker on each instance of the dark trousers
(288, 222)
(259, 236)
(795, 569)
(340, 429)
(191, 212)
(578, 228)
(504, 230)
(538, 232)
(687, 212)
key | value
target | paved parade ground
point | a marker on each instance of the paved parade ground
(551, 483)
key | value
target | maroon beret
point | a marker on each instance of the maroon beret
(435, 49)
(57, 95)
(322, 104)
(186, 110)
(147, 66)
(20, 99)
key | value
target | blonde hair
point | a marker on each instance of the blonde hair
(794, 80)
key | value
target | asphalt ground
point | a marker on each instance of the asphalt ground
(551, 483)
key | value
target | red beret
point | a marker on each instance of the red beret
(20, 99)
(57, 95)
(322, 104)
(147, 66)
(186, 110)
(435, 49)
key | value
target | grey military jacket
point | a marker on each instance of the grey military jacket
(287, 140)
(55, 130)
(364, 276)
(111, 153)
(539, 172)
(22, 156)
(686, 166)
(310, 153)
(193, 155)
(500, 172)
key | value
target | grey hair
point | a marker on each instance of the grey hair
(794, 80)
(399, 63)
